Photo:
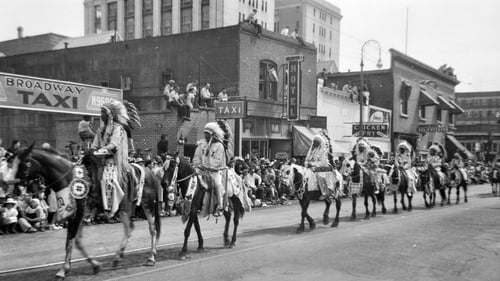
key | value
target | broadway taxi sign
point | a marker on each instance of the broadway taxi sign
(372, 130)
(33, 93)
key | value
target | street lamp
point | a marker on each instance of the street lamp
(360, 97)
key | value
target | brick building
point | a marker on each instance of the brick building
(233, 57)
(421, 98)
(479, 128)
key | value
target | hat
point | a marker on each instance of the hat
(171, 82)
(10, 201)
(139, 160)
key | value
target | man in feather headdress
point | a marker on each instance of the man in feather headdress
(318, 161)
(112, 139)
(404, 159)
(211, 156)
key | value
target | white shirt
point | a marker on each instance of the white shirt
(284, 31)
(205, 93)
(250, 180)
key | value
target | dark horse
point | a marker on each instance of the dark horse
(293, 176)
(457, 180)
(178, 173)
(399, 177)
(432, 181)
(59, 174)
(361, 184)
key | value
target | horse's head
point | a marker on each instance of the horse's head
(239, 166)
(286, 175)
(171, 161)
(24, 166)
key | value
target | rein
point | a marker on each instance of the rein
(26, 173)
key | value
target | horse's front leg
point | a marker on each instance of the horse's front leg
(403, 204)
(353, 214)
(374, 205)
(449, 193)
(367, 213)
(187, 233)
(236, 222)
(61, 274)
(96, 266)
(465, 192)
(302, 214)
(458, 194)
(127, 230)
(227, 216)
(395, 198)
(154, 235)
(338, 205)
(410, 197)
(326, 217)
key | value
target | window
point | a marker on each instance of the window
(438, 115)
(330, 35)
(129, 19)
(112, 14)
(186, 15)
(421, 112)
(268, 84)
(404, 96)
(451, 118)
(205, 14)
(147, 18)
(97, 19)
(314, 27)
(314, 12)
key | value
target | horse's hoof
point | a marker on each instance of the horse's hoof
(404, 208)
(335, 223)
(300, 229)
(410, 208)
(59, 278)
(232, 245)
(326, 219)
(465, 200)
(353, 217)
(149, 262)
(201, 249)
(312, 225)
(384, 211)
(457, 202)
(226, 242)
(115, 263)
(442, 204)
(96, 267)
(395, 211)
(374, 214)
(448, 203)
(182, 256)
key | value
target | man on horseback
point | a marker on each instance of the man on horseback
(404, 159)
(458, 163)
(435, 163)
(111, 140)
(210, 158)
(320, 170)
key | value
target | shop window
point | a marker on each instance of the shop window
(268, 83)
(248, 126)
(275, 127)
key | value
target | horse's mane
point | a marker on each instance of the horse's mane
(50, 153)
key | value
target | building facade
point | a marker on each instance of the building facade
(240, 61)
(421, 98)
(317, 22)
(134, 19)
(479, 128)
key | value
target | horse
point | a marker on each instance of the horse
(399, 178)
(293, 177)
(179, 173)
(60, 175)
(434, 182)
(494, 177)
(428, 188)
(457, 180)
(361, 184)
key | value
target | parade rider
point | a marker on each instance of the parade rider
(111, 141)
(458, 163)
(435, 159)
(320, 170)
(210, 158)
(404, 159)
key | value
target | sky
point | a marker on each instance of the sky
(463, 34)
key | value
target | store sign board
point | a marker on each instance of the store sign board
(432, 129)
(372, 130)
(40, 94)
(293, 90)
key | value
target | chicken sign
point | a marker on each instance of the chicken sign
(33, 93)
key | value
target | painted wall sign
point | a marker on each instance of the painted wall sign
(40, 94)
(372, 130)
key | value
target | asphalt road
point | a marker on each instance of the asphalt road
(456, 242)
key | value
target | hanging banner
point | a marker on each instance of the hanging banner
(293, 90)
(40, 94)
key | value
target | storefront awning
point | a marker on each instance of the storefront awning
(458, 109)
(425, 99)
(452, 145)
(302, 139)
(444, 104)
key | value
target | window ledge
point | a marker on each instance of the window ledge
(403, 115)
(422, 119)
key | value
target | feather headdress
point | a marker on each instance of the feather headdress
(123, 112)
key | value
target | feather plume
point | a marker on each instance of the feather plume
(134, 119)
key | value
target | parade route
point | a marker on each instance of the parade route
(453, 242)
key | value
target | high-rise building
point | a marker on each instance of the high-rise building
(317, 22)
(134, 19)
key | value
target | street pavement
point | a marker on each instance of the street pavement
(456, 242)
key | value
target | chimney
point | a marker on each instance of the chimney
(19, 32)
